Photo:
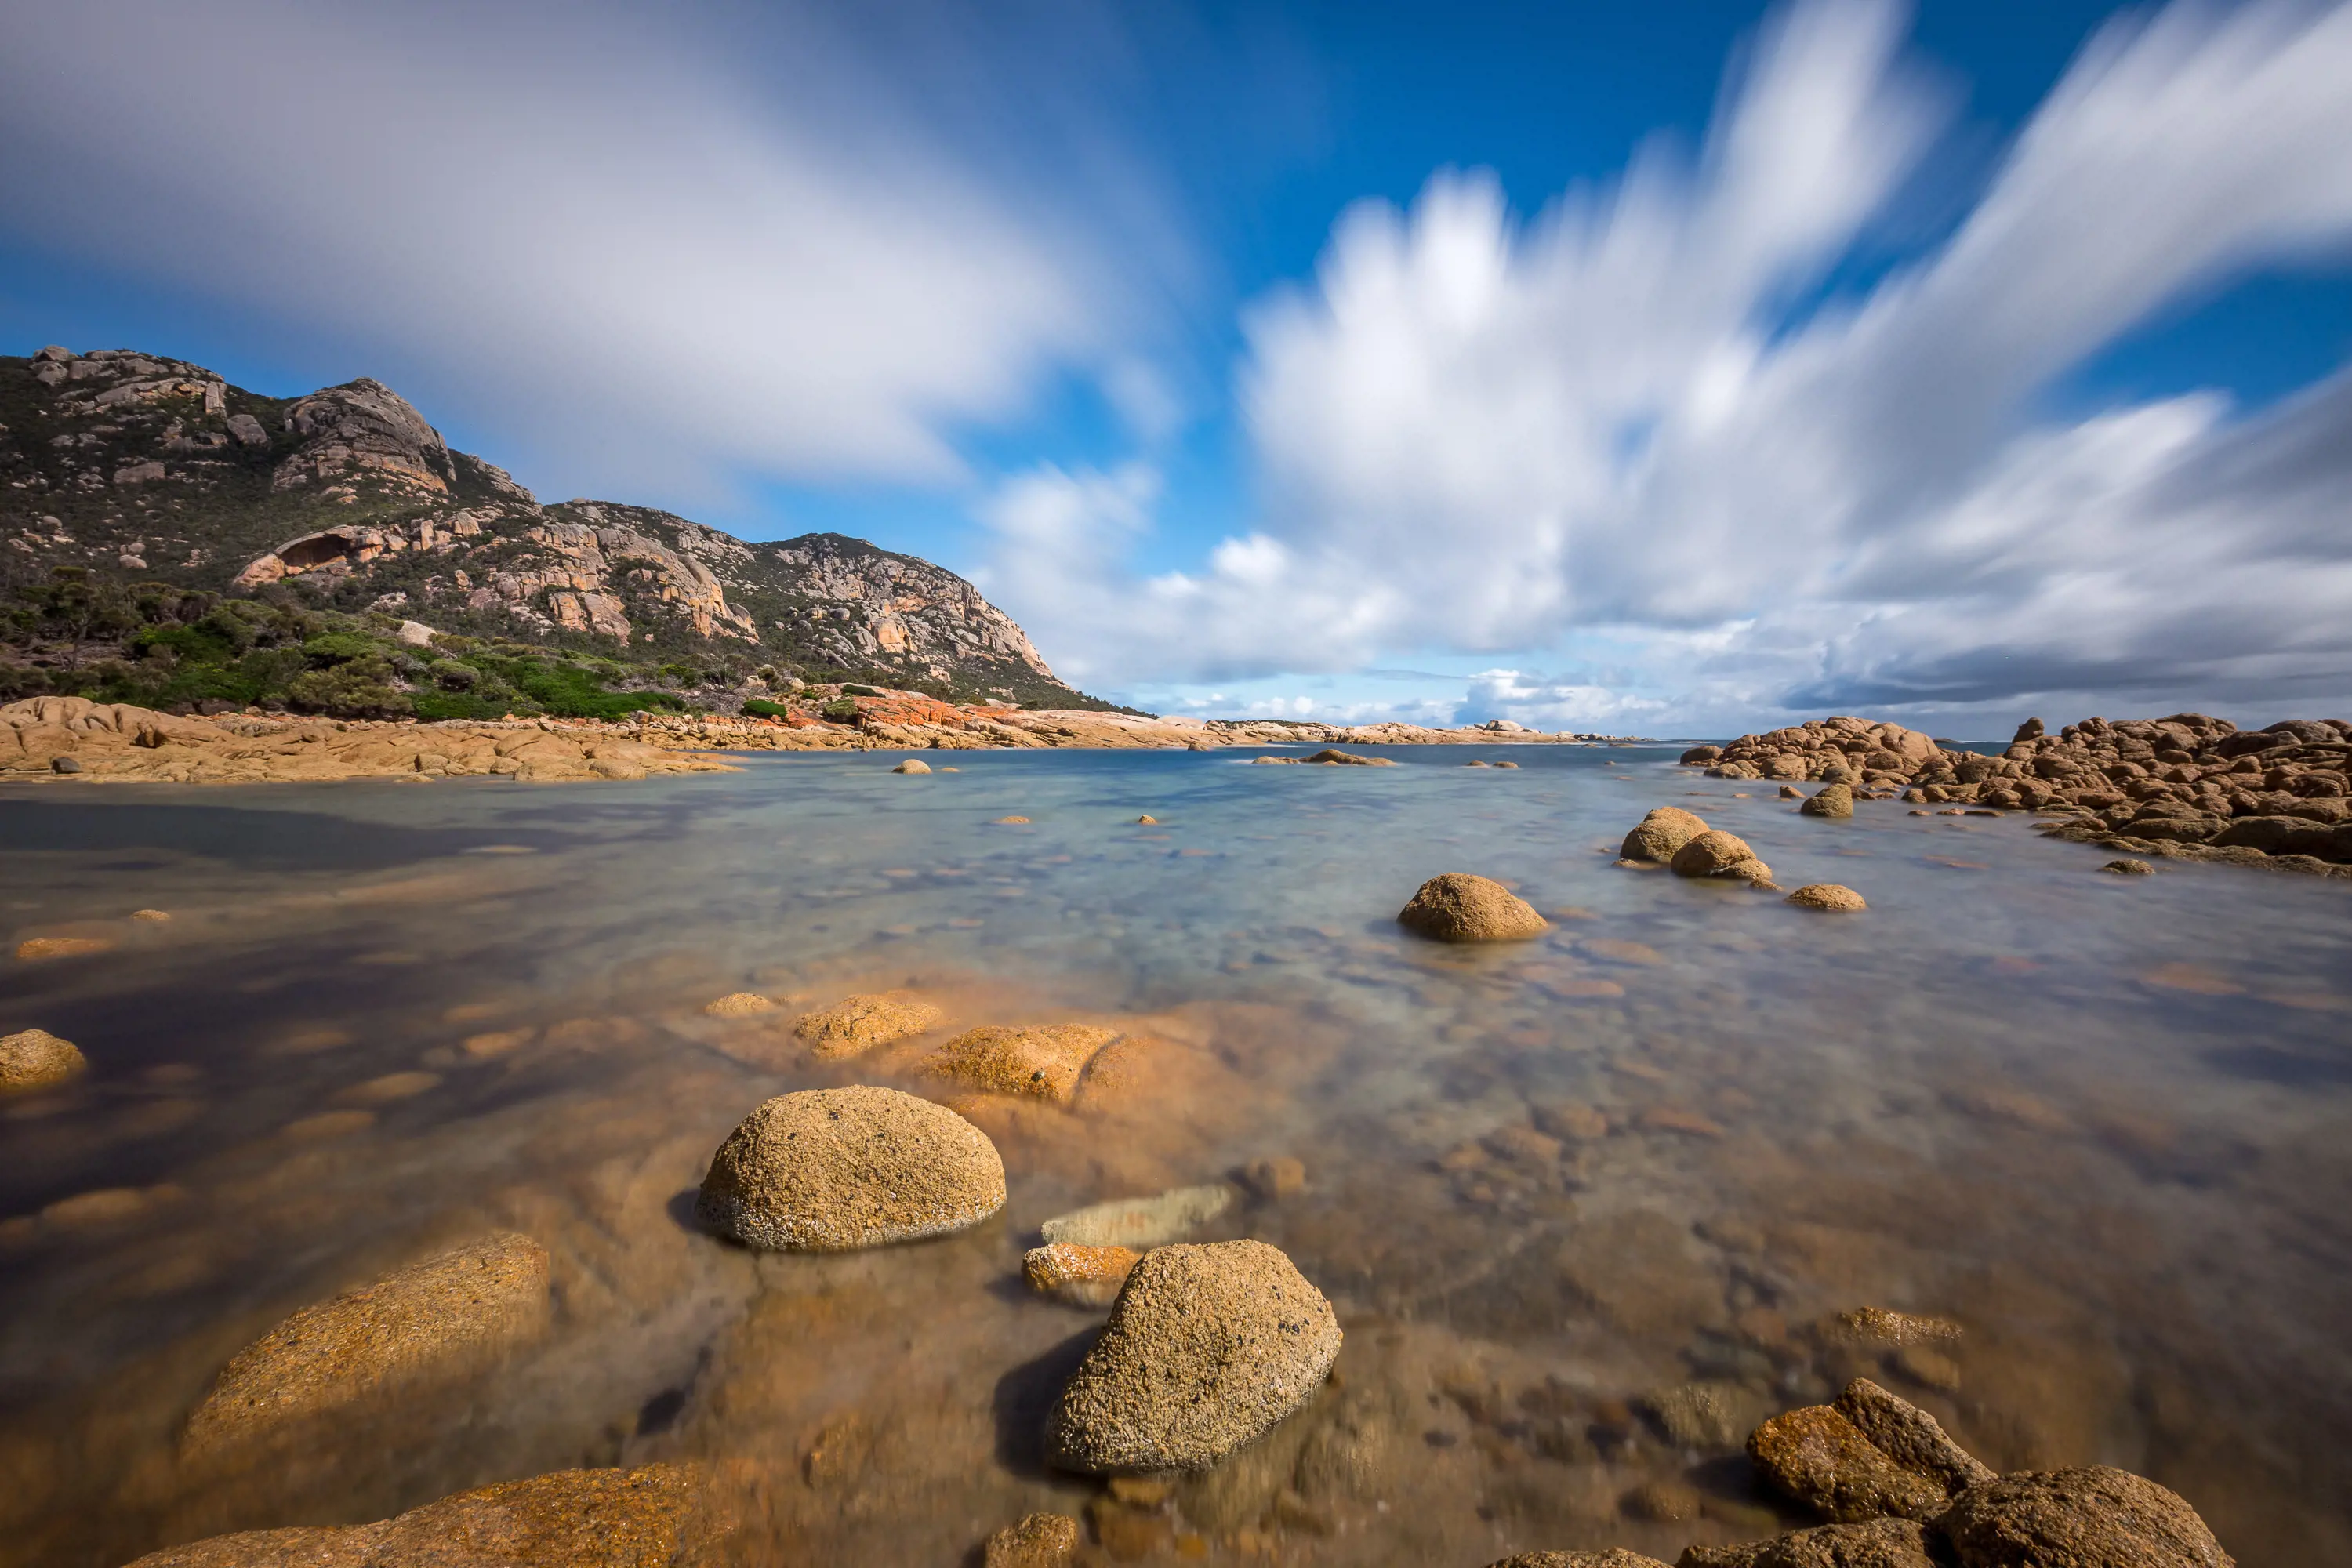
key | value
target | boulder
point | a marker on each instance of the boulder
(1910, 1436)
(1043, 1061)
(1079, 1276)
(1831, 800)
(1822, 1460)
(30, 1059)
(1881, 1326)
(2129, 868)
(1038, 1541)
(832, 1170)
(1717, 854)
(441, 1316)
(1877, 1544)
(2088, 1515)
(1832, 897)
(912, 765)
(860, 1024)
(1698, 755)
(739, 1005)
(1615, 1557)
(650, 1517)
(1207, 1348)
(1700, 1415)
(1459, 907)
(1657, 836)
(1331, 756)
(1141, 1222)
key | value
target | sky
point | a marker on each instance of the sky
(1676, 370)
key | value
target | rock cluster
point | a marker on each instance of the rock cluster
(833, 1170)
(1459, 907)
(2184, 786)
(438, 1316)
(1208, 1347)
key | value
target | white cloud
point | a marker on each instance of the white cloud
(1480, 436)
(653, 244)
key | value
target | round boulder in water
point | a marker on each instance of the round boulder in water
(1834, 800)
(1657, 836)
(832, 1170)
(1832, 897)
(1718, 854)
(1459, 907)
(1207, 1348)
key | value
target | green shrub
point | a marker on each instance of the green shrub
(840, 710)
(353, 689)
(761, 707)
(339, 647)
(849, 690)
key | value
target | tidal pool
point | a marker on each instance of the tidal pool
(2104, 1123)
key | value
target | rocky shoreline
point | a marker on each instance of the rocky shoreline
(2186, 786)
(72, 739)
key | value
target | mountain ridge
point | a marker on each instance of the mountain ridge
(348, 499)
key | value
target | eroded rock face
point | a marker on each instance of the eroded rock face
(860, 1024)
(1043, 1061)
(650, 1517)
(1834, 897)
(1664, 831)
(437, 1317)
(2089, 1515)
(31, 1059)
(1459, 907)
(1877, 1543)
(833, 1170)
(1208, 1347)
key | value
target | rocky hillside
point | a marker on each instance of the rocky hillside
(159, 471)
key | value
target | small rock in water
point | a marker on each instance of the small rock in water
(912, 765)
(1141, 1222)
(1877, 1544)
(439, 1315)
(1832, 897)
(1044, 1062)
(1507, 764)
(1039, 1541)
(1822, 1460)
(861, 1024)
(65, 765)
(1660, 835)
(31, 1059)
(1664, 1502)
(738, 1004)
(149, 915)
(61, 946)
(1615, 1557)
(1831, 800)
(1572, 1120)
(1275, 1178)
(1879, 1326)
(1079, 1276)
(1331, 756)
(1146, 820)
(1011, 822)
(2129, 868)
(1701, 1415)
(1459, 907)
(1790, 792)
(1208, 1347)
(832, 1170)
(2091, 1514)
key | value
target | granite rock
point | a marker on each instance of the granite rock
(33, 1058)
(1658, 835)
(1459, 907)
(860, 1024)
(2088, 1517)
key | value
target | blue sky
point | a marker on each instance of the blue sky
(1664, 369)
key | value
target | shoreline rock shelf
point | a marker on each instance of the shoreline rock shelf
(2186, 786)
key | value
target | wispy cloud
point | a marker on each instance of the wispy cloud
(1479, 435)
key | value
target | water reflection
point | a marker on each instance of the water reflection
(2099, 1121)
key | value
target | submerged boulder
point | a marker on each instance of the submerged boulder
(31, 1059)
(860, 1024)
(442, 1315)
(1207, 1348)
(2091, 1514)
(1459, 907)
(1154, 1221)
(1830, 800)
(1834, 897)
(1615, 1557)
(1657, 836)
(1079, 1276)
(832, 1170)
(1043, 1061)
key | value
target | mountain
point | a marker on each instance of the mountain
(142, 466)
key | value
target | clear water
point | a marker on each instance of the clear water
(2105, 1122)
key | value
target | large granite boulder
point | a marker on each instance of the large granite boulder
(1459, 907)
(1664, 831)
(1715, 853)
(2092, 1516)
(1833, 800)
(1878, 1544)
(1207, 1347)
(832, 1170)
(439, 1317)
(1868, 1455)
(33, 1058)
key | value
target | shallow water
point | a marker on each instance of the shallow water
(2105, 1122)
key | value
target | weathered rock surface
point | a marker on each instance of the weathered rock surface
(912, 765)
(1701, 1415)
(1043, 1061)
(1834, 897)
(437, 1317)
(833, 1170)
(860, 1024)
(1141, 1222)
(2089, 1517)
(1079, 1276)
(1877, 1544)
(1615, 1557)
(1830, 800)
(1208, 1347)
(1459, 907)
(1883, 1326)
(650, 1517)
(1037, 1541)
(1910, 1436)
(31, 1059)
(1822, 1460)
(1718, 854)
(739, 1005)
(1657, 837)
